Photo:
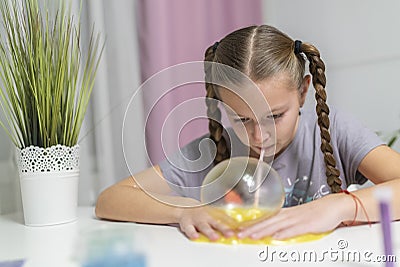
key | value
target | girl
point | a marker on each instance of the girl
(316, 165)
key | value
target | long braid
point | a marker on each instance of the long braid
(213, 112)
(317, 70)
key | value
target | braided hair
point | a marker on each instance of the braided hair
(317, 70)
(261, 52)
(214, 113)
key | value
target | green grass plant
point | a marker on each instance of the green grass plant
(46, 82)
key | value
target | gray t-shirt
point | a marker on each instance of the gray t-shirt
(301, 166)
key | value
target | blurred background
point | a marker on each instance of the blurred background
(358, 40)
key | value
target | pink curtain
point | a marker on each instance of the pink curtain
(178, 31)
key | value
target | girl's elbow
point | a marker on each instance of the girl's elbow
(103, 209)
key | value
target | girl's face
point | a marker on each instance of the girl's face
(284, 100)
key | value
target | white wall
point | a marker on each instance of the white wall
(359, 42)
(10, 197)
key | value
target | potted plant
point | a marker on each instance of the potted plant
(45, 89)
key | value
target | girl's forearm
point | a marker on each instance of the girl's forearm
(128, 203)
(371, 205)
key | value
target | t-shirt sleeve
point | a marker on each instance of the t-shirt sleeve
(354, 142)
(186, 169)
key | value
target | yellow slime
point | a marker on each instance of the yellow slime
(243, 217)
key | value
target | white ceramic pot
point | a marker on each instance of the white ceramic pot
(49, 184)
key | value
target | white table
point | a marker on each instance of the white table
(61, 245)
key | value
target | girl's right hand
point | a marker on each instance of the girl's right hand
(207, 221)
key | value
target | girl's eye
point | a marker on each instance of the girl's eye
(242, 120)
(275, 116)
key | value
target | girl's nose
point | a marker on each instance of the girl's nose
(259, 134)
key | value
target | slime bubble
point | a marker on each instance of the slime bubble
(246, 189)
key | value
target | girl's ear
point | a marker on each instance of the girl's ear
(304, 89)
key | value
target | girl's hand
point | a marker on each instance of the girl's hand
(206, 220)
(317, 216)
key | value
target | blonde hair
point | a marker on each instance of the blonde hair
(261, 52)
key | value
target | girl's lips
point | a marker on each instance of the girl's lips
(266, 146)
(258, 149)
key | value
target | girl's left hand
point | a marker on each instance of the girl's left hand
(318, 216)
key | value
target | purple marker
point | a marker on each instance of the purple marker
(384, 197)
